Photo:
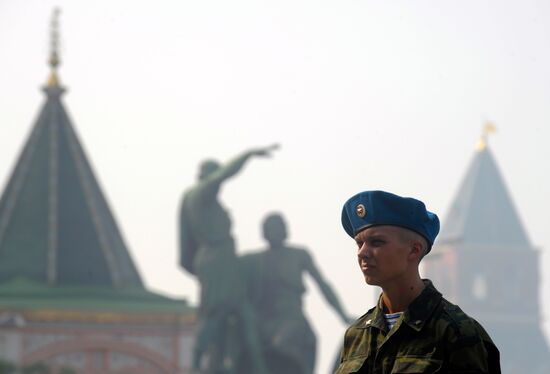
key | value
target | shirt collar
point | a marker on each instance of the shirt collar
(416, 315)
(421, 308)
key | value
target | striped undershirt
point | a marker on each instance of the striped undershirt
(391, 319)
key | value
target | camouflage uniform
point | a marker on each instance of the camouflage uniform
(432, 336)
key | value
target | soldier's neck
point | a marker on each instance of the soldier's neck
(398, 297)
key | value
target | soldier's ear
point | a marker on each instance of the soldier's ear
(416, 251)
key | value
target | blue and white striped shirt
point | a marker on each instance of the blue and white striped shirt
(391, 319)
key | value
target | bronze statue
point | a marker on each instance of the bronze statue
(207, 250)
(276, 289)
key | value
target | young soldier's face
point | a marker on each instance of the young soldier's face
(383, 255)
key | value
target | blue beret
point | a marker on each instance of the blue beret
(374, 208)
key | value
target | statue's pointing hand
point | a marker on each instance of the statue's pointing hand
(266, 151)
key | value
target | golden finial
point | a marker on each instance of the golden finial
(488, 128)
(54, 61)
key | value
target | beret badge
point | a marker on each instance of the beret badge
(360, 210)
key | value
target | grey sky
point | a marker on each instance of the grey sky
(360, 94)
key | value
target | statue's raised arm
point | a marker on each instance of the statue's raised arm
(212, 174)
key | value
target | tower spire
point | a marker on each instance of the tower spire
(53, 60)
(488, 128)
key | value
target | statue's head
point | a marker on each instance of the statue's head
(274, 229)
(207, 167)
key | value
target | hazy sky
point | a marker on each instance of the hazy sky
(360, 94)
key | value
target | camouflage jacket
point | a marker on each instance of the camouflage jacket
(432, 336)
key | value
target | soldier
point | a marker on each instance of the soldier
(276, 291)
(412, 329)
(207, 250)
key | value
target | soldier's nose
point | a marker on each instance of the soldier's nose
(362, 253)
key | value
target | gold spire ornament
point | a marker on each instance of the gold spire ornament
(488, 128)
(54, 61)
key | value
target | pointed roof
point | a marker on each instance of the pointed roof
(483, 213)
(56, 227)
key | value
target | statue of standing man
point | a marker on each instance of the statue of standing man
(207, 250)
(276, 287)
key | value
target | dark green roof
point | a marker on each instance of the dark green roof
(482, 213)
(56, 227)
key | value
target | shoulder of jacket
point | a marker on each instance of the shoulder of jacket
(460, 323)
(453, 311)
(360, 322)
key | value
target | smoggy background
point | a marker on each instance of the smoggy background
(360, 94)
